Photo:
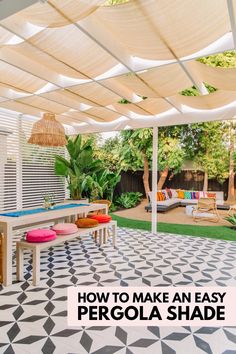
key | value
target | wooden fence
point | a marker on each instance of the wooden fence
(188, 180)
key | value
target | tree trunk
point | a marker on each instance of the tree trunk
(146, 175)
(162, 179)
(205, 184)
(231, 192)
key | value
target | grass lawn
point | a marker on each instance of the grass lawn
(218, 232)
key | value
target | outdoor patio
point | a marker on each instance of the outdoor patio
(160, 78)
(33, 319)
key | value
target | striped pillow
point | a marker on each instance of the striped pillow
(202, 194)
(160, 196)
(194, 195)
(165, 194)
(169, 193)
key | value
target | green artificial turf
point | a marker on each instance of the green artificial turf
(218, 232)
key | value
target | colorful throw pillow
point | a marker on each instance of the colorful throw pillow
(169, 192)
(211, 195)
(194, 195)
(101, 218)
(202, 194)
(164, 192)
(174, 193)
(160, 196)
(187, 195)
(86, 222)
(180, 194)
(40, 235)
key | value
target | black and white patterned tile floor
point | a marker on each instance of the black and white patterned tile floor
(33, 319)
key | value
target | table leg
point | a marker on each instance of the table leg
(36, 266)
(19, 263)
(7, 254)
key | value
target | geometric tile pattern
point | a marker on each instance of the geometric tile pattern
(33, 319)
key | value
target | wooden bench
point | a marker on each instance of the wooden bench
(36, 248)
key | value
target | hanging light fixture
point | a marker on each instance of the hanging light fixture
(48, 132)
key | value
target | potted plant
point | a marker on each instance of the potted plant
(48, 201)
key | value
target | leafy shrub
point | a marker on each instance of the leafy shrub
(113, 208)
(231, 219)
(129, 199)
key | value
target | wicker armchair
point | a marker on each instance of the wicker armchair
(101, 201)
(206, 209)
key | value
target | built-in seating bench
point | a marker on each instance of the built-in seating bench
(101, 230)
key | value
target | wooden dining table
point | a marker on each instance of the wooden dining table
(9, 224)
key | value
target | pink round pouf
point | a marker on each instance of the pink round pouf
(40, 235)
(65, 229)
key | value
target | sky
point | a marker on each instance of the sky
(108, 135)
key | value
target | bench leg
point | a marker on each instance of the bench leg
(95, 235)
(105, 235)
(36, 266)
(114, 233)
(19, 263)
(100, 237)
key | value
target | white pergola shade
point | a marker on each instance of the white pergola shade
(79, 59)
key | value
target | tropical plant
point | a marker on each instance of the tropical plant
(79, 168)
(129, 199)
(113, 178)
(104, 183)
(231, 219)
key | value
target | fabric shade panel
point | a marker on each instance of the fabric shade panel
(85, 117)
(155, 105)
(186, 26)
(5, 36)
(146, 107)
(44, 15)
(10, 92)
(102, 113)
(96, 93)
(84, 54)
(80, 59)
(19, 79)
(69, 99)
(2, 99)
(43, 104)
(129, 108)
(211, 101)
(155, 82)
(37, 63)
(21, 107)
(121, 89)
(221, 78)
(48, 132)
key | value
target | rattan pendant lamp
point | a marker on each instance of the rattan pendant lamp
(48, 132)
